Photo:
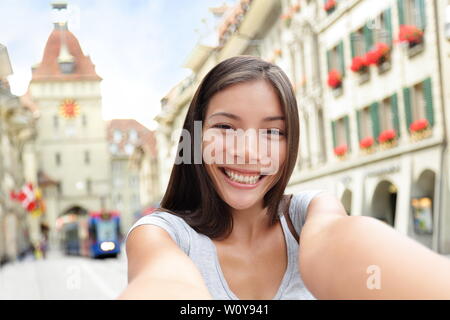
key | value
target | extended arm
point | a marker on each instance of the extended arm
(158, 269)
(360, 257)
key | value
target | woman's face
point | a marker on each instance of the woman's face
(244, 142)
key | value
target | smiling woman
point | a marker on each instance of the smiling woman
(226, 230)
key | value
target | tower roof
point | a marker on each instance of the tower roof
(63, 47)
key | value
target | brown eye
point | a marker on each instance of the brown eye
(274, 132)
(223, 126)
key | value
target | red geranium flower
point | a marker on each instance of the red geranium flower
(366, 142)
(334, 78)
(341, 150)
(419, 125)
(329, 5)
(374, 56)
(387, 135)
(358, 63)
(411, 34)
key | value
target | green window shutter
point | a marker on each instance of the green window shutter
(388, 25)
(394, 110)
(375, 120)
(358, 121)
(368, 37)
(428, 93)
(421, 14)
(401, 11)
(333, 129)
(408, 111)
(353, 41)
(341, 57)
(347, 132)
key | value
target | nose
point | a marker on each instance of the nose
(245, 148)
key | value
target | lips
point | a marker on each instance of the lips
(241, 176)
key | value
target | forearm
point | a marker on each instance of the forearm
(151, 288)
(345, 258)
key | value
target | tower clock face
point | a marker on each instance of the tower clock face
(69, 109)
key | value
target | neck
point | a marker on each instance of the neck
(250, 224)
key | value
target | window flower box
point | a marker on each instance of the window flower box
(367, 145)
(413, 37)
(341, 151)
(335, 82)
(359, 64)
(378, 55)
(330, 6)
(387, 139)
(361, 67)
(334, 79)
(419, 125)
(410, 34)
(420, 130)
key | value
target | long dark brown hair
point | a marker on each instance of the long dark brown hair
(191, 193)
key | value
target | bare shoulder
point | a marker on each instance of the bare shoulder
(159, 269)
(150, 247)
(324, 206)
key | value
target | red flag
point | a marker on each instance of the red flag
(26, 197)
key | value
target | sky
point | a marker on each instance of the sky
(138, 46)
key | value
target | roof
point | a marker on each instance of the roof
(146, 138)
(44, 180)
(62, 44)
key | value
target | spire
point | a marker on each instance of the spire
(63, 58)
(60, 15)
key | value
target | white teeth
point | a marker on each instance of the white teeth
(242, 179)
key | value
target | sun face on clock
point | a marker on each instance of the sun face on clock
(69, 109)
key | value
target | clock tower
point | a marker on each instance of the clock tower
(71, 142)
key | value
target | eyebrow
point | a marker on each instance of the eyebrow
(235, 117)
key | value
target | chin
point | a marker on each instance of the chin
(242, 201)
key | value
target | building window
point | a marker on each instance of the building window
(66, 67)
(366, 128)
(419, 105)
(369, 122)
(59, 188)
(336, 58)
(117, 136)
(113, 148)
(55, 122)
(88, 186)
(321, 137)
(386, 116)
(383, 27)
(87, 157)
(129, 148)
(58, 159)
(336, 68)
(133, 135)
(358, 44)
(414, 13)
(341, 136)
(418, 102)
